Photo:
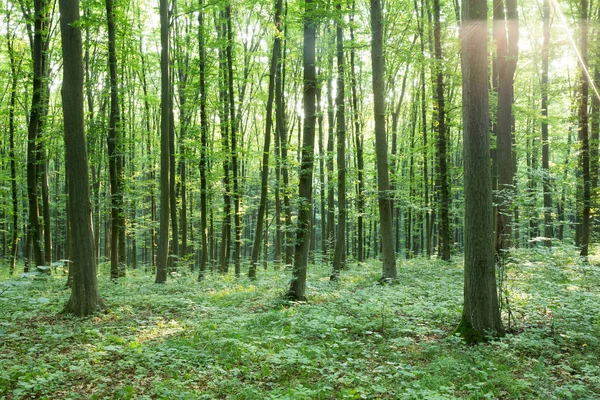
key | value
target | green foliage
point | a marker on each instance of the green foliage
(236, 339)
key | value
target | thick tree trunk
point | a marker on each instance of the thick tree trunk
(481, 312)
(84, 299)
(389, 272)
(297, 290)
(165, 124)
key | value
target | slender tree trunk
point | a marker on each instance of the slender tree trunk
(297, 290)
(548, 228)
(330, 145)
(11, 154)
(165, 124)
(584, 135)
(441, 143)
(506, 33)
(115, 151)
(35, 231)
(204, 144)
(383, 181)
(338, 257)
(85, 298)
(358, 140)
(267, 145)
(481, 311)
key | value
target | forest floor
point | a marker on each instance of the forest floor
(228, 338)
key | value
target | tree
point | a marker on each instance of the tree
(506, 33)
(584, 136)
(39, 45)
(264, 183)
(441, 142)
(203, 143)
(297, 290)
(481, 312)
(383, 181)
(85, 298)
(165, 124)
(115, 156)
(548, 228)
(338, 256)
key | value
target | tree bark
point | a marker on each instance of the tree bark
(267, 144)
(481, 312)
(389, 272)
(39, 45)
(584, 135)
(85, 298)
(297, 290)
(115, 154)
(506, 33)
(204, 145)
(165, 124)
(11, 153)
(546, 182)
(441, 142)
(338, 257)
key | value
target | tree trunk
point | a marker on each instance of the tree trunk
(165, 124)
(11, 154)
(358, 140)
(204, 145)
(548, 228)
(584, 135)
(115, 153)
(383, 181)
(506, 33)
(39, 45)
(264, 183)
(441, 143)
(84, 299)
(297, 290)
(481, 312)
(338, 257)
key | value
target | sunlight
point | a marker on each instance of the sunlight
(564, 22)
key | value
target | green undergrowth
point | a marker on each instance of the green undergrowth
(236, 339)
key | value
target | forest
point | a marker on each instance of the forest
(299, 199)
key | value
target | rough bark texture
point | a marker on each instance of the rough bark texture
(297, 290)
(84, 299)
(165, 123)
(481, 312)
(389, 272)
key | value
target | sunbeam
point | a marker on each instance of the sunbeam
(570, 35)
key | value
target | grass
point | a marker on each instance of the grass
(228, 338)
